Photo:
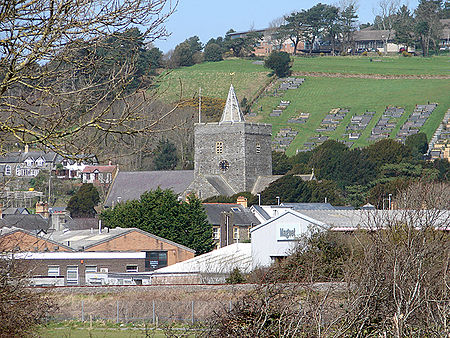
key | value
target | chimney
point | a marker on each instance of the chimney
(242, 201)
(26, 148)
(42, 209)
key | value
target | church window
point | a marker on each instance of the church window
(258, 148)
(219, 147)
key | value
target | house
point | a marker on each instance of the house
(73, 168)
(99, 174)
(377, 40)
(277, 237)
(444, 40)
(28, 164)
(231, 222)
(76, 257)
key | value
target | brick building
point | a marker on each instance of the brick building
(87, 256)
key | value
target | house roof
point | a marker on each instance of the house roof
(82, 223)
(368, 34)
(84, 239)
(131, 185)
(19, 157)
(308, 206)
(30, 222)
(241, 215)
(99, 168)
(4, 231)
(262, 182)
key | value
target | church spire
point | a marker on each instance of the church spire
(232, 112)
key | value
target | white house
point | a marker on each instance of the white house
(277, 237)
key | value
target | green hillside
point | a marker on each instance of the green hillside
(214, 78)
(318, 95)
(395, 65)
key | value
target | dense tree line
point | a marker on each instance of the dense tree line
(350, 176)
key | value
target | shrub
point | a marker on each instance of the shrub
(343, 54)
(279, 62)
(379, 53)
(322, 54)
(235, 277)
(406, 54)
(364, 53)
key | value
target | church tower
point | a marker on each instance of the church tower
(230, 155)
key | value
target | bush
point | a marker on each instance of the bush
(235, 277)
(322, 54)
(364, 53)
(379, 53)
(343, 54)
(279, 62)
(406, 54)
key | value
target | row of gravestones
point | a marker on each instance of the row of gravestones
(283, 139)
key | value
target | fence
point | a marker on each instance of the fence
(155, 311)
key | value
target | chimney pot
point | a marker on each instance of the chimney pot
(242, 201)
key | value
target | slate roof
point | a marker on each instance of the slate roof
(82, 223)
(241, 215)
(262, 182)
(372, 35)
(19, 157)
(308, 206)
(222, 187)
(131, 185)
(30, 222)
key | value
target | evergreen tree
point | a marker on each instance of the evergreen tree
(83, 202)
(162, 214)
(166, 157)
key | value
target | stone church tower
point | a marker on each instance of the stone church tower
(231, 155)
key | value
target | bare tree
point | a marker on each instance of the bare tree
(393, 274)
(53, 89)
(387, 10)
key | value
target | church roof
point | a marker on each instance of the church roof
(232, 112)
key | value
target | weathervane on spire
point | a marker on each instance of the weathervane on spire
(231, 77)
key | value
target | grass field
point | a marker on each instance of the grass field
(318, 95)
(214, 78)
(394, 65)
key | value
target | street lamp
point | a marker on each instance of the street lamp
(278, 199)
(259, 199)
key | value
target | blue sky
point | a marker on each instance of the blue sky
(213, 18)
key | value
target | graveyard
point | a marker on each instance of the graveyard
(345, 98)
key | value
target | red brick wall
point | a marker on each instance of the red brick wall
(136, 241)
(21, 241)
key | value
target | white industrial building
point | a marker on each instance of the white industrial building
(277, 237)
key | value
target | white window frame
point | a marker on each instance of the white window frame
(219, 147)
(90, 269)
(72, 275)
(53, 271)
(132, 268)
(216, 233)
(258, 148)
(7, 170)
(235, 232)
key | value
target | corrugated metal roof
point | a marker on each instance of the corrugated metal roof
(241, 215)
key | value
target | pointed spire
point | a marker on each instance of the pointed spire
(232, 112)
